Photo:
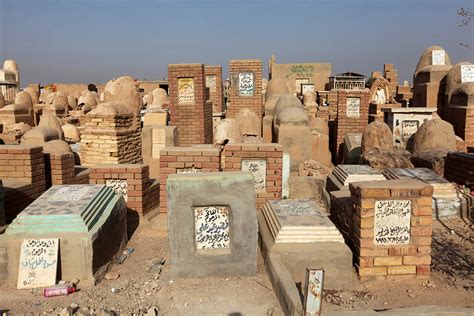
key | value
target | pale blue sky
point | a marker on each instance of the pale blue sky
(93, 41)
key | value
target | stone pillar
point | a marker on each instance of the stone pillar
(214, 83)
(155, 138)
(352, 117)
(189, 111)
(246, 87)
(391, 227)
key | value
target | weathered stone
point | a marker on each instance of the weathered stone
(377, 135)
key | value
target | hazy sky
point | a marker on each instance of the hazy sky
(94, 41)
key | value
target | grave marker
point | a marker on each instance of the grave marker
(246, 84)
(353, 107)
(119, 186)
(438, 57)
(211, 227)
(258, 168)
(392, 222)
(467, 73)
(313, 292)
(185, 90)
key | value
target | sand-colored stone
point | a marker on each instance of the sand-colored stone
(434, 134)
(124, 92)
(377, 135)
(71, 133)
(249, 122)
(228, 131)
(50, 120)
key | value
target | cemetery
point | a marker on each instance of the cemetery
(295, 191)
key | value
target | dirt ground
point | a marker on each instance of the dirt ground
(142, 287)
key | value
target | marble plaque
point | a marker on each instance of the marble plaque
(258, 168)
(438, 57)
(353, 107)
(189, 170)
(119, 186)
(185, 90)
(467, 73)
(38, 263)
(313, 291)
(70, 193)
(246, 84)
(409, 127)
(211, 82)
(392, 222)
(211, 227)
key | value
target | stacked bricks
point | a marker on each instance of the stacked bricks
(22, 171)
(142, 192)
(216, 92)
(239, 101)
(331, 104)
(462, 119)
(349, 124)
(193, 119)
(185, 159)
(391, 74)
(404, 95)
(59, 168)
(272, 153)
(110, 139)
(389, 259)
(460, 168)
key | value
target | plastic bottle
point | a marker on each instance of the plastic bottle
(59, 290)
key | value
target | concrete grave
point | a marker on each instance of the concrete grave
(88, 220)
(343, 175)
(212, 229)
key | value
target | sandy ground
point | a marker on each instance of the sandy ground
(142, 286)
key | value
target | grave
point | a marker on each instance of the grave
(88, 220)
(212, 230)
(447, 202)
(343, 175)
(352, 148)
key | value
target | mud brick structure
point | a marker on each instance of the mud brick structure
(110, 139)
(132, 181)
(391, 74)
(388, 225)
(60, 170)
(459, 167)
(268, 157)
(327, 101)
(189, 111)
(352, 117)
(22, 171)
(213, 81)
(186, 160)
(462, 119)
(246, 87)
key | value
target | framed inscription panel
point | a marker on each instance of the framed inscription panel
(185, 90)
(392, 222)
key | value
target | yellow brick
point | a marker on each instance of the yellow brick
(367, 222)
(424, 201)
(402, 270)
(417, 260)
(372, 271)
(388, 261)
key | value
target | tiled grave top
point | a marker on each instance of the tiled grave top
(346, 174)
(65, 208)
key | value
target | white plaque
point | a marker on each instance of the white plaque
(185, 90)
(258, 168)
(467, 73)
(71, 193)
(409, 127)
(211, 227)
(438, 57)
(189, 170)
(246, 83)
(353, 107)
(392, 222)
(38, 263)
(119, 186)
(211, 82)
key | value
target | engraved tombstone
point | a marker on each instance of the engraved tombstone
(392, 222)
(409, 127)
(119, 186)
(185, 90)
(258, 168)
(353, 107)
(211, 227)
(246, 87)
(438, 57)
(467, 73)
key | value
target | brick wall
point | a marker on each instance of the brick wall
(193, 118)
(391, 74)
(142, 192)
(272, 153)
(331, 99)
(462, 119)
(238, 101)
(59, 168)
(216, 93)
(357, 224)
(110, 139)
(186, 159)
(345, 124)
(22, 171)
(375, 111)
(460, 168)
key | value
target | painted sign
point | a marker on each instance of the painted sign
(313, 292)
(38, 263)
(119, 186)
(70, 193)
(438, 57)
(467, 73)
(258, 168)
(302, 70)
(392, 222)
(409, 127)
(211, 227)
(211, 82)
(353, 107)
(246, 83)
(185, 90)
